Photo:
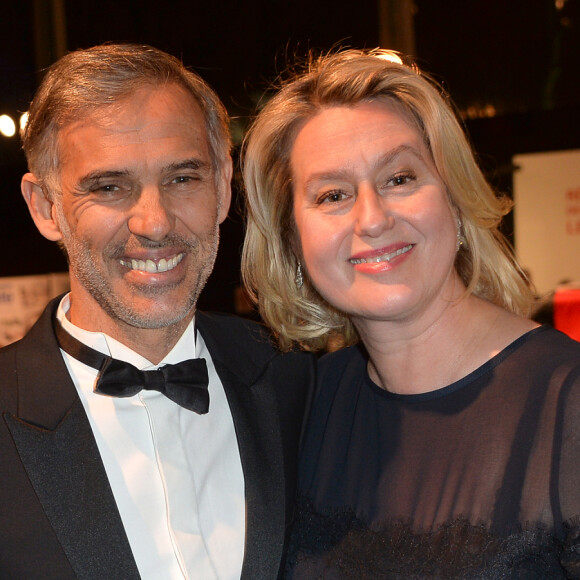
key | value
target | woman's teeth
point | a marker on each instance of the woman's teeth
(383, 258)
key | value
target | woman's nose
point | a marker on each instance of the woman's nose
(373, 216)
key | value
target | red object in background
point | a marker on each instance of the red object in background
(567, 312)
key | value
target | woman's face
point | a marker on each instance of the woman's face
(377, 232)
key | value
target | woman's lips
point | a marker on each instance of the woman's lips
(386, 256)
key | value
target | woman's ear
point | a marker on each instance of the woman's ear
(41, 208)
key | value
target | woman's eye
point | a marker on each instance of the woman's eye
(401, 179)
(332, 197)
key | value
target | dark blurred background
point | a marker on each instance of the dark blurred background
(512, 67)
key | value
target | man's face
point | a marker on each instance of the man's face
(139, 210)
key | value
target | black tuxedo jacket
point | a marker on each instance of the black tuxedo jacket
(58, 517)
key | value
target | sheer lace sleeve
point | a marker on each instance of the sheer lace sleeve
(568, 437)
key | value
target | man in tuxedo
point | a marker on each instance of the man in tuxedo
(180, 464)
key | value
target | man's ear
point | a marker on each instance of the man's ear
(225, 190)
(41, 208)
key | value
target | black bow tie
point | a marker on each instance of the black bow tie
(185, 383)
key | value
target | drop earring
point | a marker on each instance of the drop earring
(299, 278)
(461, 241)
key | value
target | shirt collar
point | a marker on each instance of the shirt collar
(184, 349)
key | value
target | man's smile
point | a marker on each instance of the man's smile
(153, 266)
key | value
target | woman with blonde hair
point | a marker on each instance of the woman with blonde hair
(443, 440)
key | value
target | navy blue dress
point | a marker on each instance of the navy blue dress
(479, 479)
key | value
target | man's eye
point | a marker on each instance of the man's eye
(184, 179)
(107, 189)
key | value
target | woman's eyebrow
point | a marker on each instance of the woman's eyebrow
(384, 159)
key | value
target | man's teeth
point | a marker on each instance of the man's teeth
(150, 266)
(383, 258)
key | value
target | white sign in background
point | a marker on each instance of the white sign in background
(547, 216)
(22, 300)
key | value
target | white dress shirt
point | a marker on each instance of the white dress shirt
(176, 476)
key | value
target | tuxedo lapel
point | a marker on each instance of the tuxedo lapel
(68, 477)
(241, 367)
(58, 451)
(254, 411)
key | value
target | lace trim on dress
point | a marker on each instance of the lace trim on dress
(338, 545)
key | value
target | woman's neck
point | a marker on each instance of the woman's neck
(424, 355)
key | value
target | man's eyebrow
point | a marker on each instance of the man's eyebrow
(195, 164)
(93, 178)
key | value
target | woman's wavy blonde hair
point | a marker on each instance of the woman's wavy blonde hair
(271, 250)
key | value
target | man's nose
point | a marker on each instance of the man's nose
(150, 217)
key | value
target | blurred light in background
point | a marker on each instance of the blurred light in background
(23, 120)
(7, 126)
